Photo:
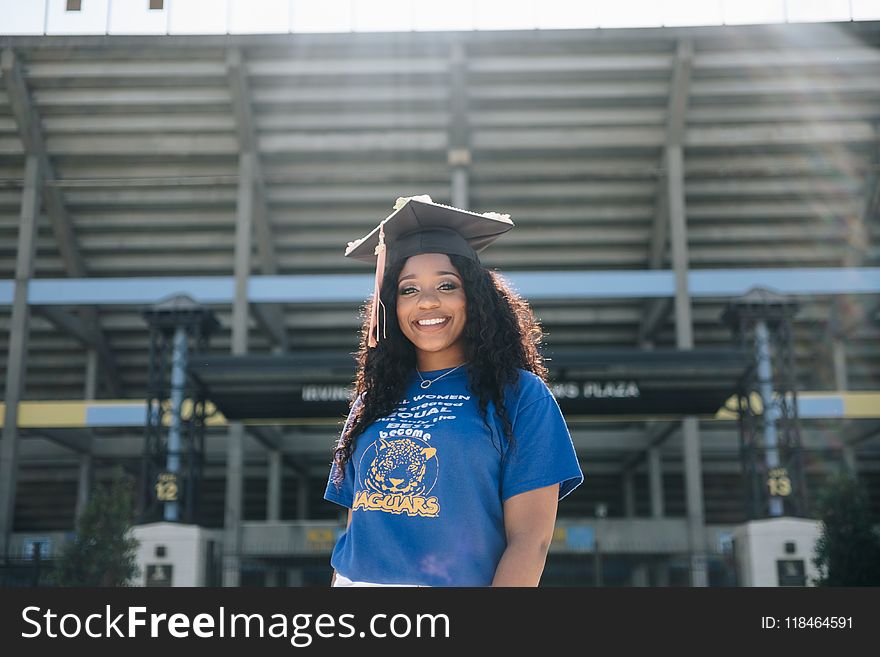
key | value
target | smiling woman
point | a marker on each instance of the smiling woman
(454, 454)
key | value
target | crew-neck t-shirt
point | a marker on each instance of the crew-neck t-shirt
(427, 483)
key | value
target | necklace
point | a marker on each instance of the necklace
(426, 383)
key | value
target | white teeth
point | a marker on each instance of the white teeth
(431, 322)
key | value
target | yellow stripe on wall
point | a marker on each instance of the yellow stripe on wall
(52, 414)
(73, 413)
(861, 404)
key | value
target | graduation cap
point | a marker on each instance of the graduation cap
(418, 225)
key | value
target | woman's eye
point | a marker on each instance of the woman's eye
(445, 285)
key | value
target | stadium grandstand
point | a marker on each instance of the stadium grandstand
(697, 212)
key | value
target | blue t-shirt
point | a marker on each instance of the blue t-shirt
(426, 484)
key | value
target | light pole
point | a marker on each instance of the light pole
(601, 512)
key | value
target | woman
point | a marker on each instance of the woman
(454, 453)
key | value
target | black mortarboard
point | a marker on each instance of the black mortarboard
(418, 225)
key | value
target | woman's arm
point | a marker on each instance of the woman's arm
(529, 519)
(347, 524)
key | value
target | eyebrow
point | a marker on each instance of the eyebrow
(439, 273)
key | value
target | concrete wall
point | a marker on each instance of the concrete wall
(761, 543)
(186, 551)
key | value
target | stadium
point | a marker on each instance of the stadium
(697, 215)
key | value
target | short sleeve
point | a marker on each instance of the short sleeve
(342, 494)
(542, 453)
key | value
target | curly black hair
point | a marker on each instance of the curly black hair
(501, 336)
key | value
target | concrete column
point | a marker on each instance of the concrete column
(233, 509)
(16, 361)
(685, 340)
(693, 481)
(655, 478)
(273, 496)
(841, 380)
(84, 483)
(460, 194)
(678, 241)
(639, 575)
(302, 496)
(459, 155)
(629, 494)
(91, 374)
(838, 355)
(660, 572)
(850, 462)
(235, 441)
(294, 577)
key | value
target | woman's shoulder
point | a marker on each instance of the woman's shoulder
(529, 388)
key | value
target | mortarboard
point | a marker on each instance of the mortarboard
(418, 225)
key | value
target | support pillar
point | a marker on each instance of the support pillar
(629, 494)
(84, 480)
(685, 340)
(655, 478)
(16, 361)
(459, 154)
(660, 572)
(302, 496)
(235, 442)
(273, 496)
(841, 379)
(84, 484)
(693, 481)
(639, 575)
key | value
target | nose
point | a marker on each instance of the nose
(428, 299)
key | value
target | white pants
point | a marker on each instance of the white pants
(342, 580)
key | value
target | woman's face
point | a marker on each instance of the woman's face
(432, 310)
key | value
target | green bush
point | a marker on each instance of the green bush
(103, 552)
(848, 550)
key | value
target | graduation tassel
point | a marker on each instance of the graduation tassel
(373, 340)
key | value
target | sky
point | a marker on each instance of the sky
(282, 16)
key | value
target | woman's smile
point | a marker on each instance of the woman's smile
(432, 324)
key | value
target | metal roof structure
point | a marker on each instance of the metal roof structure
(139, 141)
(765, 138)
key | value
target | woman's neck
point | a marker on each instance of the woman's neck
(428, 362)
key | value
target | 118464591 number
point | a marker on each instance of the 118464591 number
(818, 622)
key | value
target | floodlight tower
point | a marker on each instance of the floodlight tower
(770, 442)
(174, 447)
